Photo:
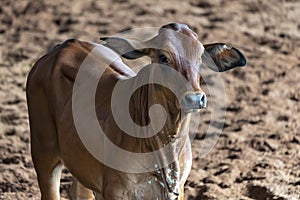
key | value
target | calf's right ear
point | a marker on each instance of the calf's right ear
(123, 47)
(219, 57)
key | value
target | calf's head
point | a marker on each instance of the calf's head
(178, 47)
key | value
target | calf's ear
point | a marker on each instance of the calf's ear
(123, 47)
(219, 57)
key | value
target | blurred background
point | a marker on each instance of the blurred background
(258, 153)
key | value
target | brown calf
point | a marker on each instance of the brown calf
(54, 138)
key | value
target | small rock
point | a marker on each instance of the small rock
(10, 132)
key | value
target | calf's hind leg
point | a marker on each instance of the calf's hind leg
(44, 146)
(47, 166)
(49, 179)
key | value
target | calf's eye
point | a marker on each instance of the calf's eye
(163, 59)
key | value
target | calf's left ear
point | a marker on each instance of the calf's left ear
(219, 57)
(123, 47)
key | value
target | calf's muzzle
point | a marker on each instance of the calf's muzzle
(193, 101)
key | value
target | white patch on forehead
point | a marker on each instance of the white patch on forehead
(201, 48)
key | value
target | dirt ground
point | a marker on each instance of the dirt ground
(258, 153)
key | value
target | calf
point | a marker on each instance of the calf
(54, 136)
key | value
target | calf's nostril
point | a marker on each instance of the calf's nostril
(202, 100)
